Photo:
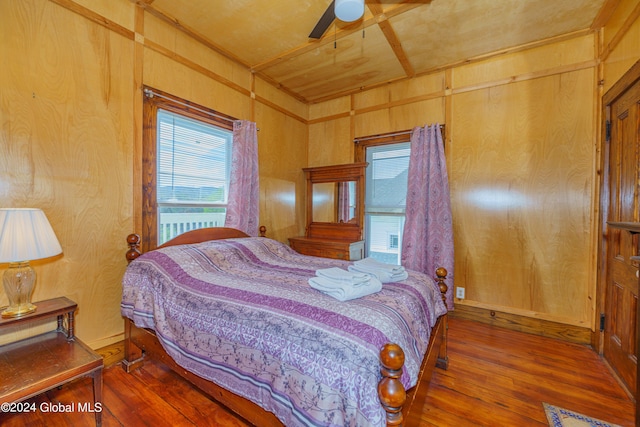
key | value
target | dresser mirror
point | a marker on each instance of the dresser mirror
(335, 201)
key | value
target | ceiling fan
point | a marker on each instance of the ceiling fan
(344, 10)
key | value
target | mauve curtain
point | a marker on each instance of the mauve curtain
(244, 194)
(343, 202)
(427, 241)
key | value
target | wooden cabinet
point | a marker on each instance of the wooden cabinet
(37, 364)
(338, 249)
(335, 212)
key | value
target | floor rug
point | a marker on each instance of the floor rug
(559, 417)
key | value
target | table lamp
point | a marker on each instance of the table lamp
(25, 235)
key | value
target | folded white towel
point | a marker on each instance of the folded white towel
(344, 291)
(383, 275)
(379, 265)
(338, 274)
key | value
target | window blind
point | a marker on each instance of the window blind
(193, 161)
(387, 174)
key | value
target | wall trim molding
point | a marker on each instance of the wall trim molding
(516, 322)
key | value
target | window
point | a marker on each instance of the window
(393, 241)
(192, 174)
(385, 200)
(186, 165)
(386, 192)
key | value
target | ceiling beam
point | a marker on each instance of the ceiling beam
(146, 4)
(466, 61)
(337, 34)
(376, 9)
(603, 16)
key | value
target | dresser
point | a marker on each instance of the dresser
(334, 212)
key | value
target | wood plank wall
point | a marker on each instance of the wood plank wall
(522, 125)
(522, 129)
(520, 152)
(71, 108)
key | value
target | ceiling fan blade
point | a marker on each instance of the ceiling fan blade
(325, 21)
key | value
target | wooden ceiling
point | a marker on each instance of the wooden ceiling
(395, 39)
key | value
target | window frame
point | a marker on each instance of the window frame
(362, 143)
(360, 155)
(153, 100)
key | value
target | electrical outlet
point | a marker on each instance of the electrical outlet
(460, 293)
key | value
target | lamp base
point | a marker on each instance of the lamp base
(18, 282)
(18, 310)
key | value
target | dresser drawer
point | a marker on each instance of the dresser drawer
(336, 249)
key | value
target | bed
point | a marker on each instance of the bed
(236, 317)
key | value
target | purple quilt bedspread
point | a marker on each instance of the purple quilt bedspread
(241, 313)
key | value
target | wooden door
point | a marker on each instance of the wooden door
(620, 204)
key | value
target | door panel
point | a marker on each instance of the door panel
(621, 282)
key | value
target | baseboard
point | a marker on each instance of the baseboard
(106, 342)
(545, 328)
(112, 354)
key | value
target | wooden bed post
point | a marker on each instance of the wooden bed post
(443, 358)
(396, 401)
(133, 240)
(133, 355)
(390, 389)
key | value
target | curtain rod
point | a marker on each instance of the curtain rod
(387, 135)
(150, 93)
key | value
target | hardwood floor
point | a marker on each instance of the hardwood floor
(496, 377)
(499, 377)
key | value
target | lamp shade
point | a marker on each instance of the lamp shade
(349, 10)
(25, 235)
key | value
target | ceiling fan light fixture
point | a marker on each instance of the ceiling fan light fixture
(349, 10)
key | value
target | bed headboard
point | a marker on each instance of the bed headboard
(194, 236)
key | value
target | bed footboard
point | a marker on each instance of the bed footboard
(404, 407)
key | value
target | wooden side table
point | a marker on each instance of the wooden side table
(34, 365)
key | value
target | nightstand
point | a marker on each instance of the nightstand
(40, 363)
